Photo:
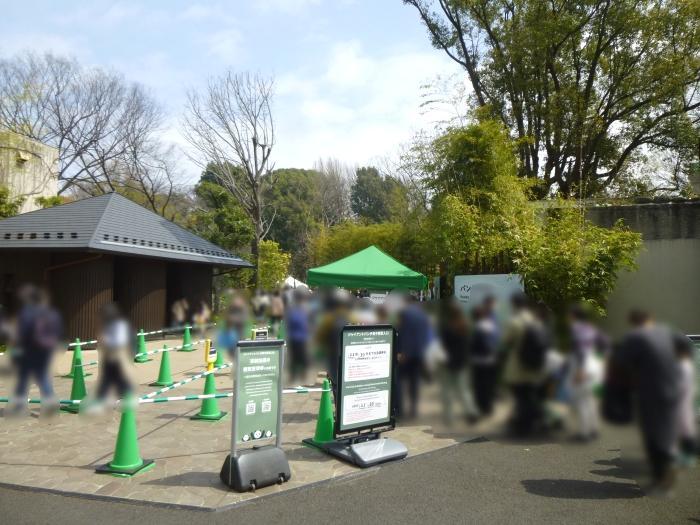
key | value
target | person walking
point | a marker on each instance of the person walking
(454, 336)
(526, 339)
(483, 358)
(648, 352)
(584, 371)
(415, 334)
(115, 354)
(39, 331)
(298, 335)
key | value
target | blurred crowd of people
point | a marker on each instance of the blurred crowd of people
(519, 352)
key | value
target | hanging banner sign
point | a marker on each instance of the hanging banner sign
(257, 390)
(366, 371)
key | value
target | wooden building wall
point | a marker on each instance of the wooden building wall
(189, 281)
(140, 291)
(80, 285)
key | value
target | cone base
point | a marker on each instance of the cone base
(187, 350)
(147, 464)
(142, 360)
(70, 376)
(207, 417)
(320, 445)
(73, 409)
(162, 383)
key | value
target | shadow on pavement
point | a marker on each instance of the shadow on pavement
(191, 479)
(621, 468)
(580, 489)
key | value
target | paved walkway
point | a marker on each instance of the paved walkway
(61, 453)
(491, 481)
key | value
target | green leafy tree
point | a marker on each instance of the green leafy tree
(273, 266)
(372, 197)
(584, 87)
(571, 260)
(49, 202)
(9, 205)
(294, 206)
(220, 219)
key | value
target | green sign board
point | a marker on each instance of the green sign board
(365, 378)
(257, 390)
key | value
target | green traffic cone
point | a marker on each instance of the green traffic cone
(77, 359)
(127, 459)
(325, 422)
(248, 330)
(165, 378)
(210, 407)
(282, 331)
(141, 358)
(77, 389)
(187, 341)
(219, 358)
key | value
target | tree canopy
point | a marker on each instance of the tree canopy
(583, 87)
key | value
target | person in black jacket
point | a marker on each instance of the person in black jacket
(454, 336)
(648, 352)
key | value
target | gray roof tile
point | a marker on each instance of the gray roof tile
(110, 223)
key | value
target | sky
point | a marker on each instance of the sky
(348, 73)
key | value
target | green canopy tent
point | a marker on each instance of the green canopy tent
(369, 268)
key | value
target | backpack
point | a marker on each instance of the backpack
(533, 347)
(45, 333)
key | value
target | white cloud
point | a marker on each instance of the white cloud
(41, 43)
(357, 108)
(225, 45)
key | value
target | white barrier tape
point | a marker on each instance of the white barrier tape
(154, 399)
(184, 382)
(168, 349)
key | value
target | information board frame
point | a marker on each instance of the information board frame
(249, 344)
(341, 431)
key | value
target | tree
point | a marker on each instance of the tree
(334, 191)
(584, 87)
(273, 265)
(9, 205)
(371, 195)
(96, 119)
(230, 127)
(219, 218)
(295, 202)
(49, 202)
(571, 260)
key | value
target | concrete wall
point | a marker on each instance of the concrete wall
(667, 281)
(28, 168)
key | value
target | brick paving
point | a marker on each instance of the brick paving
(61, 453)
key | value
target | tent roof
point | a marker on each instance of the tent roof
(368, 268)
(110, 223)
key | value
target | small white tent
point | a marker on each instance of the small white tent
(294, 283)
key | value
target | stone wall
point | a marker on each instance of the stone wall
(28, 168)
(667, 282)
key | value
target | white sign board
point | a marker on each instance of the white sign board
(470, 290)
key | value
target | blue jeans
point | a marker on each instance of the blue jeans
(38, 368)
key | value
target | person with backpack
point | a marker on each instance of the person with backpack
(526, 341)
(39, 332)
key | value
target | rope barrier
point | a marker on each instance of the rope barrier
(193, 397)
(168, 349)
(171, 329)
(185, 381)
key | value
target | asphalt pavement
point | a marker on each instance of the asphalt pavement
(483, 481)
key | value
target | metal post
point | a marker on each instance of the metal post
(278, 440)
(234, 412)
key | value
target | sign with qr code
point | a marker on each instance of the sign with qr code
(257, 390)
(366, 372)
